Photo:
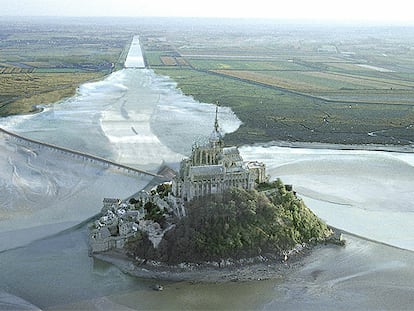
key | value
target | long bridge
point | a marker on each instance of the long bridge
(82, 155)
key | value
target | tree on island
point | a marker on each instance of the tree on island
(236, 224)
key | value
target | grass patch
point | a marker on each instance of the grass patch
(243, 64)
(270, 114)
(43, 61)
(21, 92)
(283, 85)
(314, 81)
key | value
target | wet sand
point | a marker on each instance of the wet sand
(44, 192)
(10, 303)
(363, 276)
(241, 272)
(368, 193)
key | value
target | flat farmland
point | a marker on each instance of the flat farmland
(44, 60)
(21, 93)
(245, 64)
(317, 81)
(354, 86)
(271, 114)
(173, 61)
(291, 82)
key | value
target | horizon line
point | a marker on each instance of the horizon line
(235, 18)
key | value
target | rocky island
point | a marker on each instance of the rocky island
(217, 217)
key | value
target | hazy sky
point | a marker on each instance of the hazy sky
(346, 10)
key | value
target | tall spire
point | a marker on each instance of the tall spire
(216, 125)
(216, 139)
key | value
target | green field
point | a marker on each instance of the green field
(253, 65)
(42, 62)
(350, 84)
(21, 93)
(349, 88)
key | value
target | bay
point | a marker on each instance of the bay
(141, 119)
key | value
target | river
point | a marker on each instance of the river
(141, 119)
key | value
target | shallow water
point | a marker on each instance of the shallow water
(45, 191)
(59, 275)
(361, 276)
(135, 58)
(135, 117)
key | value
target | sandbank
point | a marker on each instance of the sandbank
(259, 269)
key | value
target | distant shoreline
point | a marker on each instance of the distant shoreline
(334, 146)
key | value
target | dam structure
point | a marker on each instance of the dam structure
(81, 155)
(135, 58)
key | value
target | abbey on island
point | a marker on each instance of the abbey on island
(210, 169)
(213, 168)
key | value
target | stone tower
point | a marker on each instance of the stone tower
(212, 168)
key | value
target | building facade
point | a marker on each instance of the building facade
(213, 168)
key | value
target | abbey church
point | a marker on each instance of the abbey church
(213, 168)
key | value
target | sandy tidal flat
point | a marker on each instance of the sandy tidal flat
(45, 191)
(368, 193)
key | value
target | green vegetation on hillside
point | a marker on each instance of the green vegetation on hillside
(236, 224)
